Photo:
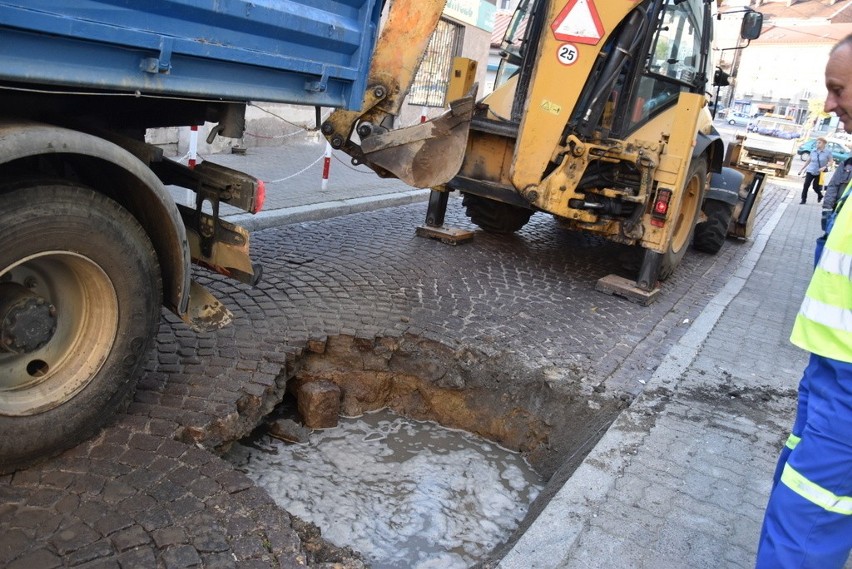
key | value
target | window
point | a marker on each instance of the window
(677, 48)
(674, 60)
(430, 84)
(513, 44)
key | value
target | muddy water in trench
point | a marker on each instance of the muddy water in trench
(404, 493)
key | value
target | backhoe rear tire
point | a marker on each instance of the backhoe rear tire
(85, 257)
(685, 218)
(710, 235)
(493, 216)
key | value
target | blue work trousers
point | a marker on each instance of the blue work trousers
(796, 531)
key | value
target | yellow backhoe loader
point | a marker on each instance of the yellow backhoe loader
(599, 117)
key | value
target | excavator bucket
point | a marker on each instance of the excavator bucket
(427, 154)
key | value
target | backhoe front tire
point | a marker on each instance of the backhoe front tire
(493, 216)
(710, 235)
(85, 257)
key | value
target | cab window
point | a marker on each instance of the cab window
(674, 61)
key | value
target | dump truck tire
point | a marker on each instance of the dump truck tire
(710, 235)
(696, 182)
(493, 216)
(80, 302)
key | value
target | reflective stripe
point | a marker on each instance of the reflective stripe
(826, 314)
(822, 340)
(792, 441)
(830, 288)
(815, 493)
(836, 263)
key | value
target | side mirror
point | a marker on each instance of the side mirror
(720, 78)
(752, 25)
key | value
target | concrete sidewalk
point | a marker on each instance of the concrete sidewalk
(293, 178)
(681, 479)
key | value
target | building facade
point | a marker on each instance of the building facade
(781, 72)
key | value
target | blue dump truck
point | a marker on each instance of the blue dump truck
(91, 242)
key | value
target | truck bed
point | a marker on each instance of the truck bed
(290, 51)
(755, 142)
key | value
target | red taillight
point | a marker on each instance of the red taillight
(259, 197)
(661, 208)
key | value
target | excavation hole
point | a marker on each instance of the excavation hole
(451, 453)
(402, 493)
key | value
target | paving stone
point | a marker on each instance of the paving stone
(211, 541)
(138, 503)
(186, 505)
(100, 550)
(73, 537)
(13, 544)
(154, 518)
(248, 547)
(45, 497)
(169, 536)
(130, 538)
(178, 556)
(40, 559)
(111, 523)
(56, 479)
(137, 557)
(100, 564)
(26, 478)
(41, 522)
(218, 561)
(88, 483)
(234, 481)
(115, 492)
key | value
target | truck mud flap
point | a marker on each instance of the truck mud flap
(725, 186)
(219, 246)
(749, 198)
(205, 312)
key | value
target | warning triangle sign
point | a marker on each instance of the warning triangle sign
(578, 22)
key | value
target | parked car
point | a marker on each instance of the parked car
(839, 150)
(736, 118)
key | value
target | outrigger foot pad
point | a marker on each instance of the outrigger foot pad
(448, 235)
(626, 288)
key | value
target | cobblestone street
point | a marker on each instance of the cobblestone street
(151, 491)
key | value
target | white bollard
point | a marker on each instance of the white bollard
(193, 146)
(326, 165)
(423, 117)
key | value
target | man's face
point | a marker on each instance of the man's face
(838, 81)
(821, 143)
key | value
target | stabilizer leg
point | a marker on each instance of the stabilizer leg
(434, 226)
(644, 290)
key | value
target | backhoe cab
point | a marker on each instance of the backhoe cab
(599, 117)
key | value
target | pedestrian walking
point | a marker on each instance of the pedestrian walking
(808, 520)
(833, 190)
(817, 163)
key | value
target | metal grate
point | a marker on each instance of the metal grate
(430, 84)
